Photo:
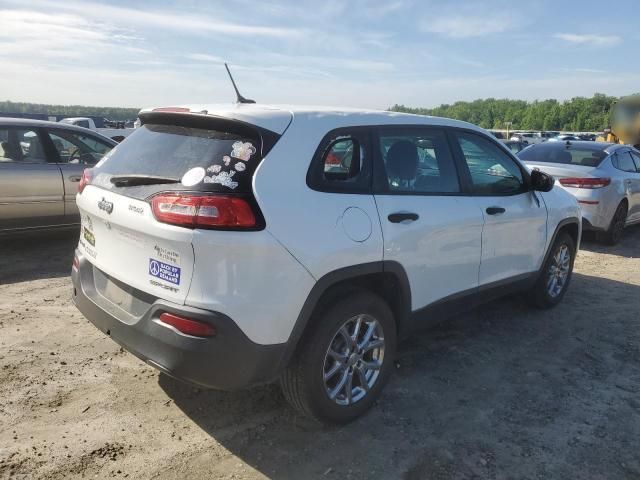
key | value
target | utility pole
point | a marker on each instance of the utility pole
(508, 124)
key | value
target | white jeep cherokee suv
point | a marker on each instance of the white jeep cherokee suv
(232, 246)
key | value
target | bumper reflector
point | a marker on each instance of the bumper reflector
(187, 326)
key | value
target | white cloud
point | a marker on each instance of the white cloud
(467, 26)
(32, 35)
(590, 39)
(165, 19)
(204, 57)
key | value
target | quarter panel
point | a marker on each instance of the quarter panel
(252, 279)
(323, 231)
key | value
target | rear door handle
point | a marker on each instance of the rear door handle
(401, 217)
(74, 178)
(495, 210)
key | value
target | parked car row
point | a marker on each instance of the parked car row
(604, 177)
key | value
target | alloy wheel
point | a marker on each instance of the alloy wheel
(353, 360)
(558, 271)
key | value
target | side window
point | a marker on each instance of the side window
(342, 160)
(83, 123)
(623, 161)
(74, 147)
(21, 145)
(492, 171)
(342, 163)
(418, 160)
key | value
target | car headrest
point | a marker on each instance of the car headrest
(402, 160)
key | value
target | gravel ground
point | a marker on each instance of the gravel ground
(501, 392)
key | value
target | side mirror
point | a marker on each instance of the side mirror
(541, 182)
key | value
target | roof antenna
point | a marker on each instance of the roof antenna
(241, 99)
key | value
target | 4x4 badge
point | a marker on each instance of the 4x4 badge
(106, 206)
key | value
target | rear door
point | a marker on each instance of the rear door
(429, 227)
(74, 152)
(515, 219)
(31, 191)
(630, 161)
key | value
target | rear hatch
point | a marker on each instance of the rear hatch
(565, 159)
(145, 244)
(559, 171)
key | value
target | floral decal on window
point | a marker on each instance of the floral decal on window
(223, 178)
(243, 150)
(223, 174)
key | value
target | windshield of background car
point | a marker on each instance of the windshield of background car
(196, 158)
(556, 152)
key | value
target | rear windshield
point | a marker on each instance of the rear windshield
(556, 152)
(196, 158)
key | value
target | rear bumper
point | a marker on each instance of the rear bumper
(228, 361)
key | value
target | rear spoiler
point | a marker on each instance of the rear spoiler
(183, 117)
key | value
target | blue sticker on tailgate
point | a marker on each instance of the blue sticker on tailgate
(164, 271)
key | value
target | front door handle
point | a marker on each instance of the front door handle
(495, 210)
(401, 217)
(74, 178)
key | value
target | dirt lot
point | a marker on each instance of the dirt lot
(502, 392)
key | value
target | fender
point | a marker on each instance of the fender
(354, 272)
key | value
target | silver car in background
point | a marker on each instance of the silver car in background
(604, 177)
(41, 164)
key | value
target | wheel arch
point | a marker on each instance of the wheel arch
(387, 279)
(570, 225)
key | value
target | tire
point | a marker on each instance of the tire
(614, 233)
(542, 295)
(303, 381)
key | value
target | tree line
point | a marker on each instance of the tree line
(112, 113)
(579, 114)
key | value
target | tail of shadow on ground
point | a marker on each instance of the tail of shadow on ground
(500, 388)
(46, 255)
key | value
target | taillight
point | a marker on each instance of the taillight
(585, 182)
(188, 326)
(76, 263)
(203, 211)
(85, 179)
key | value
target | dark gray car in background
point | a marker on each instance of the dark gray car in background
(41, 164)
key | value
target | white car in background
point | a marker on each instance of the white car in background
(235, 245)
(604, 177)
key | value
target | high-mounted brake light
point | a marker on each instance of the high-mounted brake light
(203, 211)
(188, 326)
(585, 182)
(171, 109)
(85, 179)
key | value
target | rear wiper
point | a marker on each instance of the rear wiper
(134, 180)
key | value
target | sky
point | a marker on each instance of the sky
(356, 53)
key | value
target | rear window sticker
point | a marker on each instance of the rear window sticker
(242, 150)
(193, 176)
(164, 271)
(240, 166)
(223, 178)
(214, 169)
